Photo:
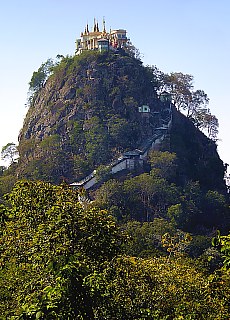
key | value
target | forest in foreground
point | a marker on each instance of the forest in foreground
(64, 260)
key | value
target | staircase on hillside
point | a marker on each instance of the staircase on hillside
(131, 159)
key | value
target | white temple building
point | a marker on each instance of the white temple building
(101, 40)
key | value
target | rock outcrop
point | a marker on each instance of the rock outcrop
(96, 106)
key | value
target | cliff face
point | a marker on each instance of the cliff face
(198, 156)
(87, 114)
(81, 88)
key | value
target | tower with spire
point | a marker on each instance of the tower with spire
(100, 40)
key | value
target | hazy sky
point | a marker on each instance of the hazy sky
(188, 36)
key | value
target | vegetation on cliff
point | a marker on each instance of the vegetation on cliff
(139, 244)
(84, 116)
(83, 113)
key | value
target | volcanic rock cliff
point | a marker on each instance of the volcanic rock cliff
(88, 113)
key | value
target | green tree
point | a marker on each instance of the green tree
(111, 196)
(157, 77)
(157, 288)
(96, 136)
(144, 238)
(211, 124)
(185, 214)
(120, 132)
(40, 76)
(204, 120)
(214, 207)
(179, 85)
(141, 190)
(7, 182)
(51, 164)
(10, 152)
(198, 102)
(132, 50)
(76, 137)
(175, 213)
(49, 245)
(149, 195)
(224, 243)
(193, 103)
(176, 245)
(59, 261)
(164, 163)
(80, 166)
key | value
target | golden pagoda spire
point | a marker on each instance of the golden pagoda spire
(86, 28)
(104, 30)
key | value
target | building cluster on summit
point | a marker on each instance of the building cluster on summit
(101, 40)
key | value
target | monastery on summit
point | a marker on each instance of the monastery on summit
(101, 40)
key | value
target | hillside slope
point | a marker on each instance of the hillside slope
(87, 114)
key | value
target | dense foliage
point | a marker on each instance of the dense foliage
(139, 245)
(48, 246)
(59, 261)
(160, 194)
(194, 103)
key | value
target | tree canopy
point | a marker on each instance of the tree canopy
(40, 76)
(61, 261)
(194, 103)
(47, 241)
(9, 152)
